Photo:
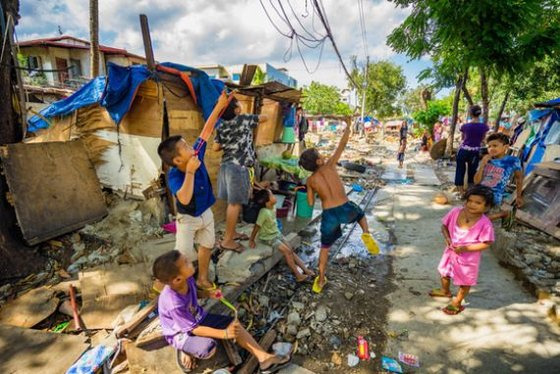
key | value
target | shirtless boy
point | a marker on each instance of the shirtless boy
(337, 209)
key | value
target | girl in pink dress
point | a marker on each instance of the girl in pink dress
(467, 232)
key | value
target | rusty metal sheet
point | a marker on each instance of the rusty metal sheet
(53, 187)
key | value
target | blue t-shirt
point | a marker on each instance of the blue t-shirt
(497, 174)
(203, 197)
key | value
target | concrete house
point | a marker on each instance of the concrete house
(70, 57)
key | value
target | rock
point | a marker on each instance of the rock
(79, 251)
(335, 341)
(5, 291)
(303, 333)
(532, 258)
(336, 359)
(292, 330)
(75, 238)
(348, 295)
(321, 314)
(298, 306)
(264, 301)
(294, 319)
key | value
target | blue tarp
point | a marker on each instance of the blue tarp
(89, 94)
(539, 143)
(116, 93)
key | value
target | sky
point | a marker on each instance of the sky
(228, 32)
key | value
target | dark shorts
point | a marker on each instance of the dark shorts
(200, 347)
(334, 217)
(234, 185)
(400, 156)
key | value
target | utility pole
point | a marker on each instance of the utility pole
(364, 88)
(94, 38)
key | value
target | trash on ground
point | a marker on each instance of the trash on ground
(390, 364)
(409, 359)
(353, 360)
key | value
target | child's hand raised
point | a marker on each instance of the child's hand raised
(193, 164)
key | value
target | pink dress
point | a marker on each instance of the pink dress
(463, 268)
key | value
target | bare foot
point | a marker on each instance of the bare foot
(309, 272)
(231, 245)
(301, 277)
(187, 362)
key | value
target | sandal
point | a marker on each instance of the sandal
(317, 288)
(237, 249)
(438, 292)
(276, 367)
(452, 310)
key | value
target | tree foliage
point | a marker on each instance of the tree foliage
(436, 109)
(323, 99)
(385, 84)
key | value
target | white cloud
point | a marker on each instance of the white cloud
(198, 32)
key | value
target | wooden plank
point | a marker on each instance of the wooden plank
(30, 308)
(140, 316)
(232, 352)
(26, 351)
(54, 186)
(251, 364)
(108, 289)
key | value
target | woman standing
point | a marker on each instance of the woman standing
(467, 158)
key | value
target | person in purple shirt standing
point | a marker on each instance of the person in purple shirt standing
(189, 328)
(473, 134)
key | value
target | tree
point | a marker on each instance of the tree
(385, 85)
(323, 99)
(416, 99)
(435, 109)
(496, 38)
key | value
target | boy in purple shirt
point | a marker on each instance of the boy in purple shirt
(189, 328)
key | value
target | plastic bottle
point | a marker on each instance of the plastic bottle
(363, 348)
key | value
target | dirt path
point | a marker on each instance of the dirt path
(503, 328)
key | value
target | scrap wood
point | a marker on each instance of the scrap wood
(140, 316)
(108, 289)
(28, 351)
(30, 309)
(232, 352)
(252, 363)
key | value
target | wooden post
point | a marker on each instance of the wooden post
(94, 38)
(19, 79)
(147, 42)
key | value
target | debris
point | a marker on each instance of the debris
(282, 349)
(294, 319)
(441, 198)
(30, 308)
(391, 365)
(92, 360)
(348, 295)
(125, 315)
(336, 359)
(409, 359)
(335, 341)
(303, 333)
(61, 327)
(353, 360)
(66, 308)
(363, 348)
(77, 321)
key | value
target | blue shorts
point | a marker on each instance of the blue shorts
(334, 217)
(400, 156)
(201, 347)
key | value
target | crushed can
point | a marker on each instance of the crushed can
(363, 349)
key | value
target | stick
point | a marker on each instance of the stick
(252, 363)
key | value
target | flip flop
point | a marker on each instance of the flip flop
(237, 249)
(276, 367)
(452, 309)
(370, 243)
(316, 287)
(437, 292)
(213, 287)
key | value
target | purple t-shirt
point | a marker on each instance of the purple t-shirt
(473, 134)
(179, 314)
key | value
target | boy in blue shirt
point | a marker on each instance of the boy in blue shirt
(189, 182)
(495, 171)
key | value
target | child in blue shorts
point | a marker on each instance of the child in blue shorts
(337, 209)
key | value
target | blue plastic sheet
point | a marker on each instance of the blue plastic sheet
(117, 92)
(89, 94)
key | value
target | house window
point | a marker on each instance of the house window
(236, 77)
(76, 70)
(33, 62)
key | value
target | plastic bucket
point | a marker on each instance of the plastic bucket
(289, 135)
(304, 210)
